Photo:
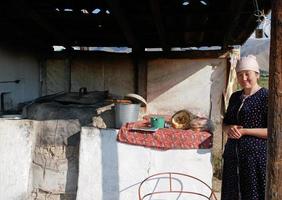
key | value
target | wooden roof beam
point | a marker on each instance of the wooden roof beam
(211, 10)
(155, 7)
(249, 27)
(191, 54)
(49, 28)
(40, 21)
(202, 33)
(238, 7)
(123, 24)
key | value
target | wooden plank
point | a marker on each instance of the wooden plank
(21, 6)
(140, 76)
(274, 166)
(202, 33)
(209, 14)
(249, 26)
(191, 54)
(155, 7)
(142, 68)
(123, 23)
(43, 77)
(67, 80)
(237, 8)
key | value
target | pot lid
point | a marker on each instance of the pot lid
(135, 98)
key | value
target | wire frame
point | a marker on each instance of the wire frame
(170, 176)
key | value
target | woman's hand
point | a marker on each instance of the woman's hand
(233, 131)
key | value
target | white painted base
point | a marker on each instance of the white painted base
(109, 170)
(16, 146)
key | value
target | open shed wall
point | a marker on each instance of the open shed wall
(196, 85)
(172, 84)
(15, 65)
(115, 74)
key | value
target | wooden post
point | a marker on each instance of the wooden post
(43, 77)
(67, 80)
(142, 78)
(140, 67)
(274, 157)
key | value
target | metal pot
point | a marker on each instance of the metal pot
(125, 112)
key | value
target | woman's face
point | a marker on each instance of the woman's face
(247, 78)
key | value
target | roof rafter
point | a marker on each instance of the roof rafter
(155, 7)
(126, 23)
(123, 23)
(202, 34)
(237, 6)
(210, 12)
(248, 27)
(42, 22)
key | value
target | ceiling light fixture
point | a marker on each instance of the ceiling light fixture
(108, 12)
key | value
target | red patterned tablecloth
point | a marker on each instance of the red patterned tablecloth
(165, 138)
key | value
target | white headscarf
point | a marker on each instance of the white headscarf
(248, 63)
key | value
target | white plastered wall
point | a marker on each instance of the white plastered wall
(17, 139)
(196, 85)
(175, 84)
(109, 170)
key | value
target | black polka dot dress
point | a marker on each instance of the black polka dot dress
(244, 165)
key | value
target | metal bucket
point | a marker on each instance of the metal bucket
(126, 113)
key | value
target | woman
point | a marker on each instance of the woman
(245, 124)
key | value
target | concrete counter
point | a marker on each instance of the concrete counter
(109, 170)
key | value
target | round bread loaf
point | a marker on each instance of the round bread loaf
(181, 119)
